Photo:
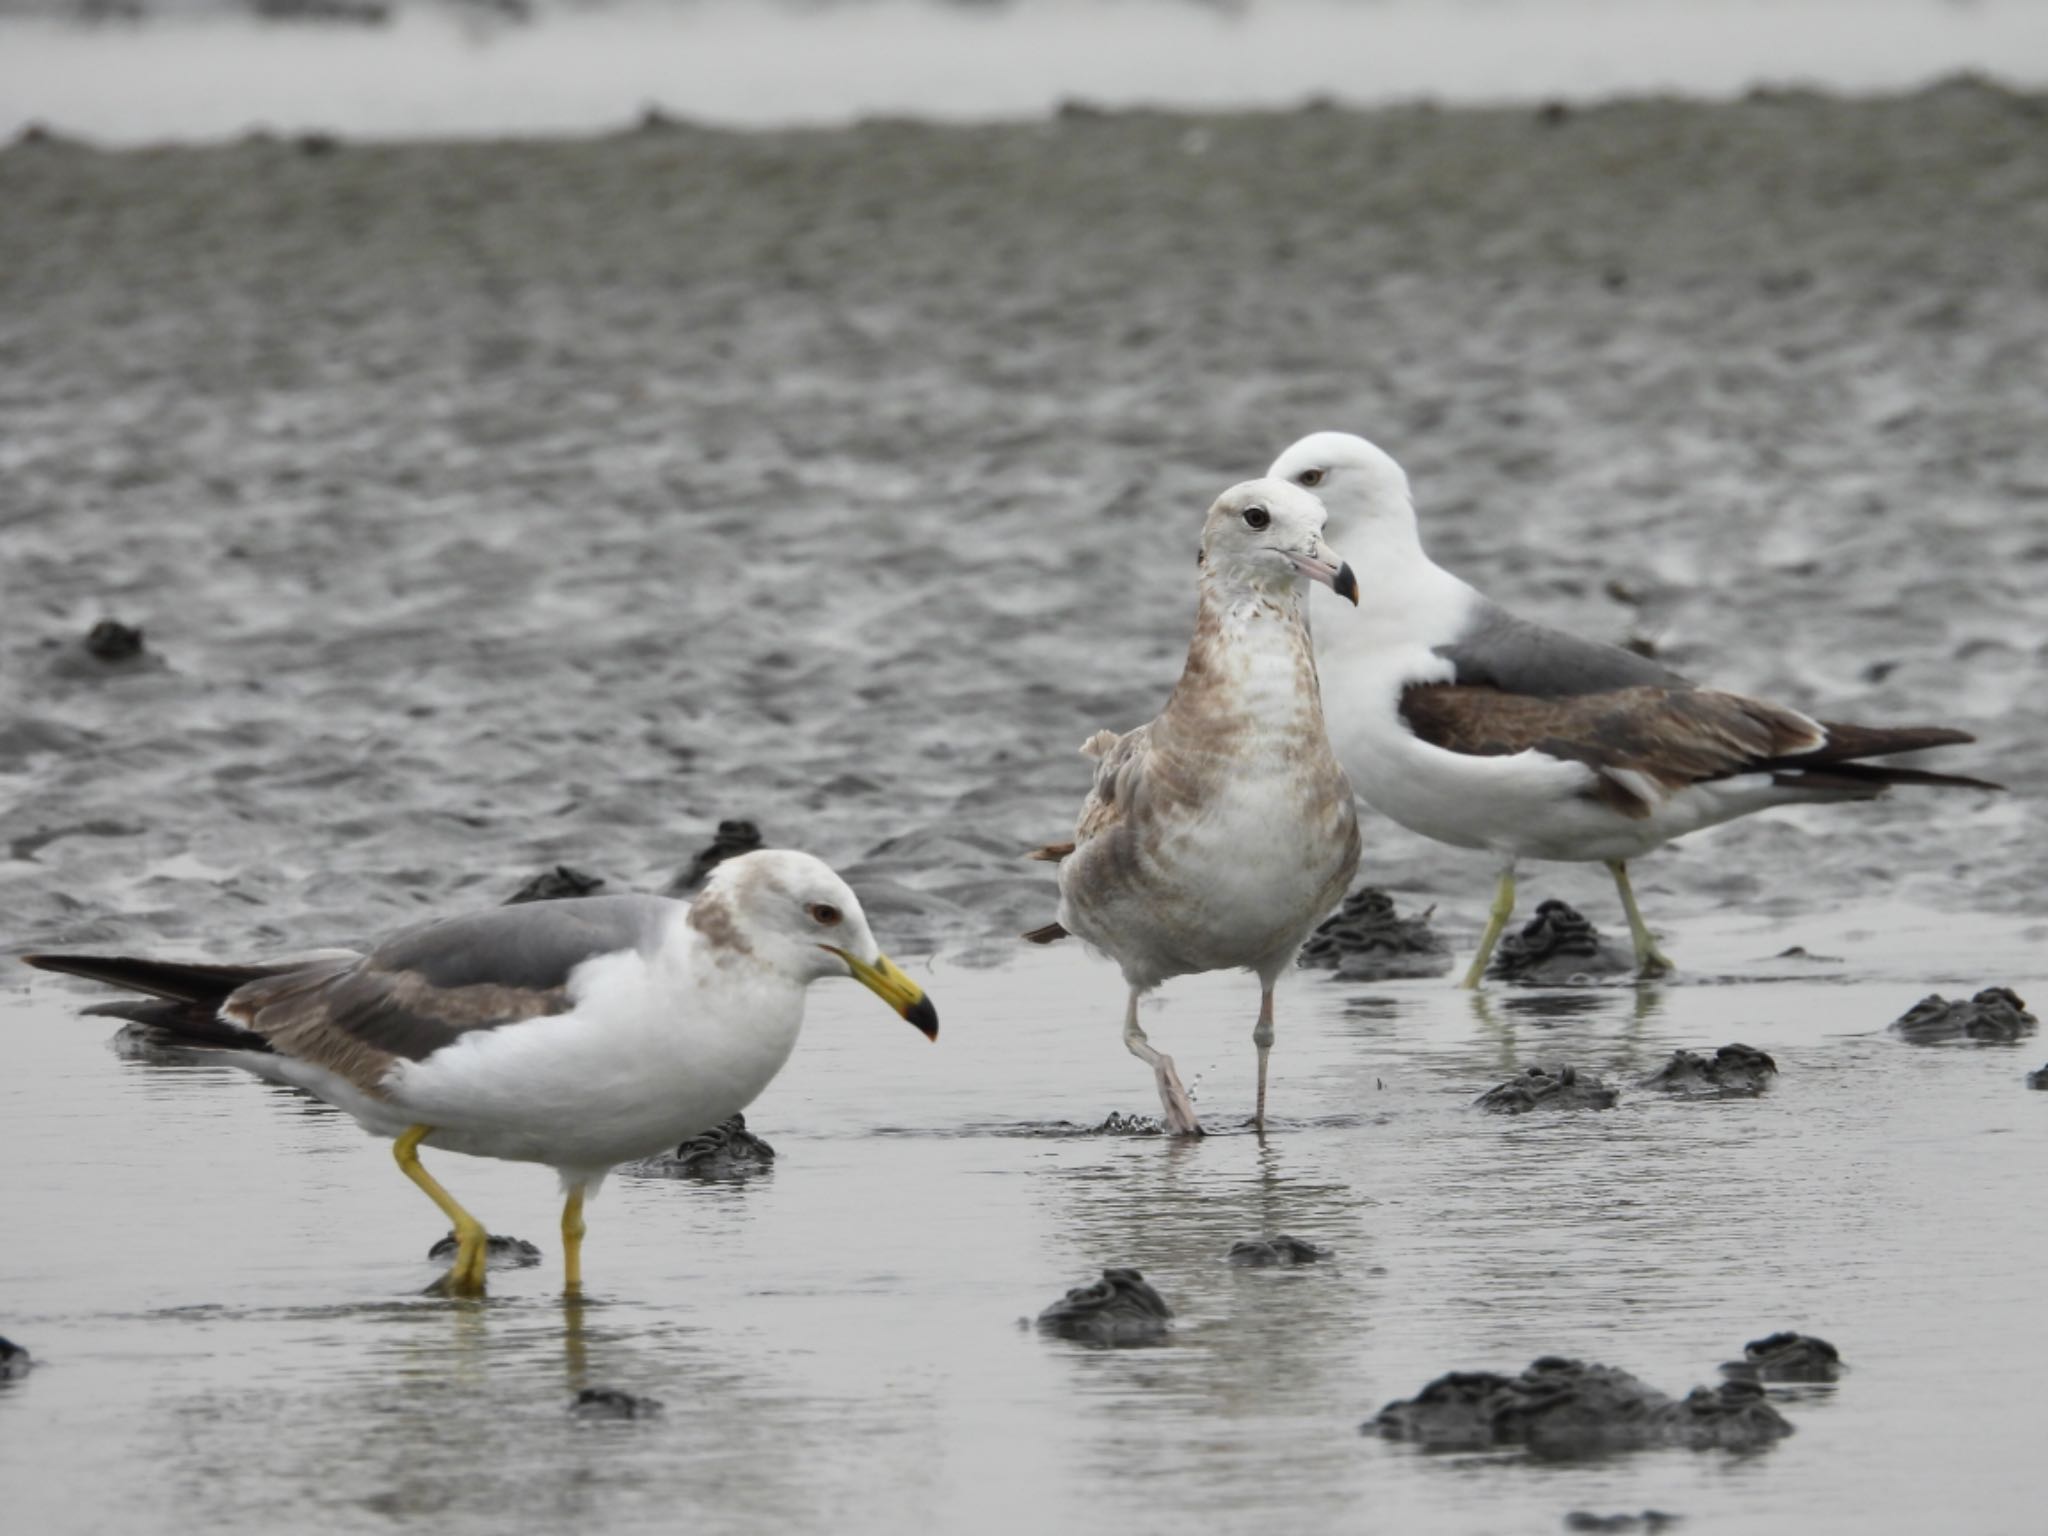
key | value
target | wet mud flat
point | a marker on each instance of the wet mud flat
(489, 508)
(486, 507)
(200, 1259)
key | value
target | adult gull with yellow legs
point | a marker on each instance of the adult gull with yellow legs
(1479, 729)
(578, 1034)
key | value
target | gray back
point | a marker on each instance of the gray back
(1499, 650)
(536, 944)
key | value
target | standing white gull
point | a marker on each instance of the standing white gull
(580, 1034)
(1482, 730)
(1217, 835)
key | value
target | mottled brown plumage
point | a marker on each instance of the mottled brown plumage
(1663, 739)
(1217, 834)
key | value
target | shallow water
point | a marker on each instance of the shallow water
(221, 1281)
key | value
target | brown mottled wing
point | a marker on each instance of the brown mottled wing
(428, 987)
(1119, 765)
(1634, 738)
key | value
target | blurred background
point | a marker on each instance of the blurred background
(140, 69)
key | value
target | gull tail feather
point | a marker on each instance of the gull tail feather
(1839, 765)
(185, 996)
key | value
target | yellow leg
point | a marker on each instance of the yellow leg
(572, 1242)
(1496, 922)
(471, 1240)
(1650, 960)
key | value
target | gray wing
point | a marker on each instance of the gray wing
(1499, 650)
(426, 987)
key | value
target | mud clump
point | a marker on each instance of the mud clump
(111, 640)
(1116, 1123)
(1278, 1252)
(1567, 1408)
(15, 1361)
(1369, 941)
(1995, 1016)
(2038, 1079)
(558, 884)
(499, 1252)
(598, 1404)
(1556, 1087)
(1648, 1520)
(726, 1153)
(732, 839)
(1786, 1357)
(1732, 1072)
(1557, 945)
(1120, 1309)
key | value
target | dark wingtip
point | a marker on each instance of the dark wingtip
(1345, 584)
(1051, 933)
(923, 1015)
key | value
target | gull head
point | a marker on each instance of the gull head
(1365, 490)
(1267, 535)
(792, 913)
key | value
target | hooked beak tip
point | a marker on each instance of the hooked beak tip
(924, 1017)
(1346, 584)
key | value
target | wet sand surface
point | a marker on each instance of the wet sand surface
(495, 506)
(220, 1281)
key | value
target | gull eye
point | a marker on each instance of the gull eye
(1310, 477)
(824, 914)
(1257, 517)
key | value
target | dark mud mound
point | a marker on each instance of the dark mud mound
(1995, 1016)
(1277, 1252)
(1369, 941)
(1567, 1408)
(1786, 1357)
(499, 1252)
(2038, 1079)
(1555, 1087)
(110, 649)
(558, 884)
(14, 1360)
(1648, 1520)
(733, 838)
(725, 1154)
(1733, 1071)
(1120, 1309)
(599, 1404)
(111, 640)
(1555, 947)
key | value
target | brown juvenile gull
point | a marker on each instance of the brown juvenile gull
(580, 1034)
(1219, 834)
(1480, 729)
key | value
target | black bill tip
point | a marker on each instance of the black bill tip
(1344, 584)
(925, 1017)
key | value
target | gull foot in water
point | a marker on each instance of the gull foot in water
(1176, 1108)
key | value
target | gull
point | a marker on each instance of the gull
(1476, 728)
(578, 1034)
(1218, 834)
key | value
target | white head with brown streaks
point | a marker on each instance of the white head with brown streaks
(1262, 537)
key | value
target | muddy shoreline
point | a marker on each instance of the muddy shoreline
(491, 506)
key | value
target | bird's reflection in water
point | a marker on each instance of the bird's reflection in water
(1250, 1347)
(1554, 1010)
